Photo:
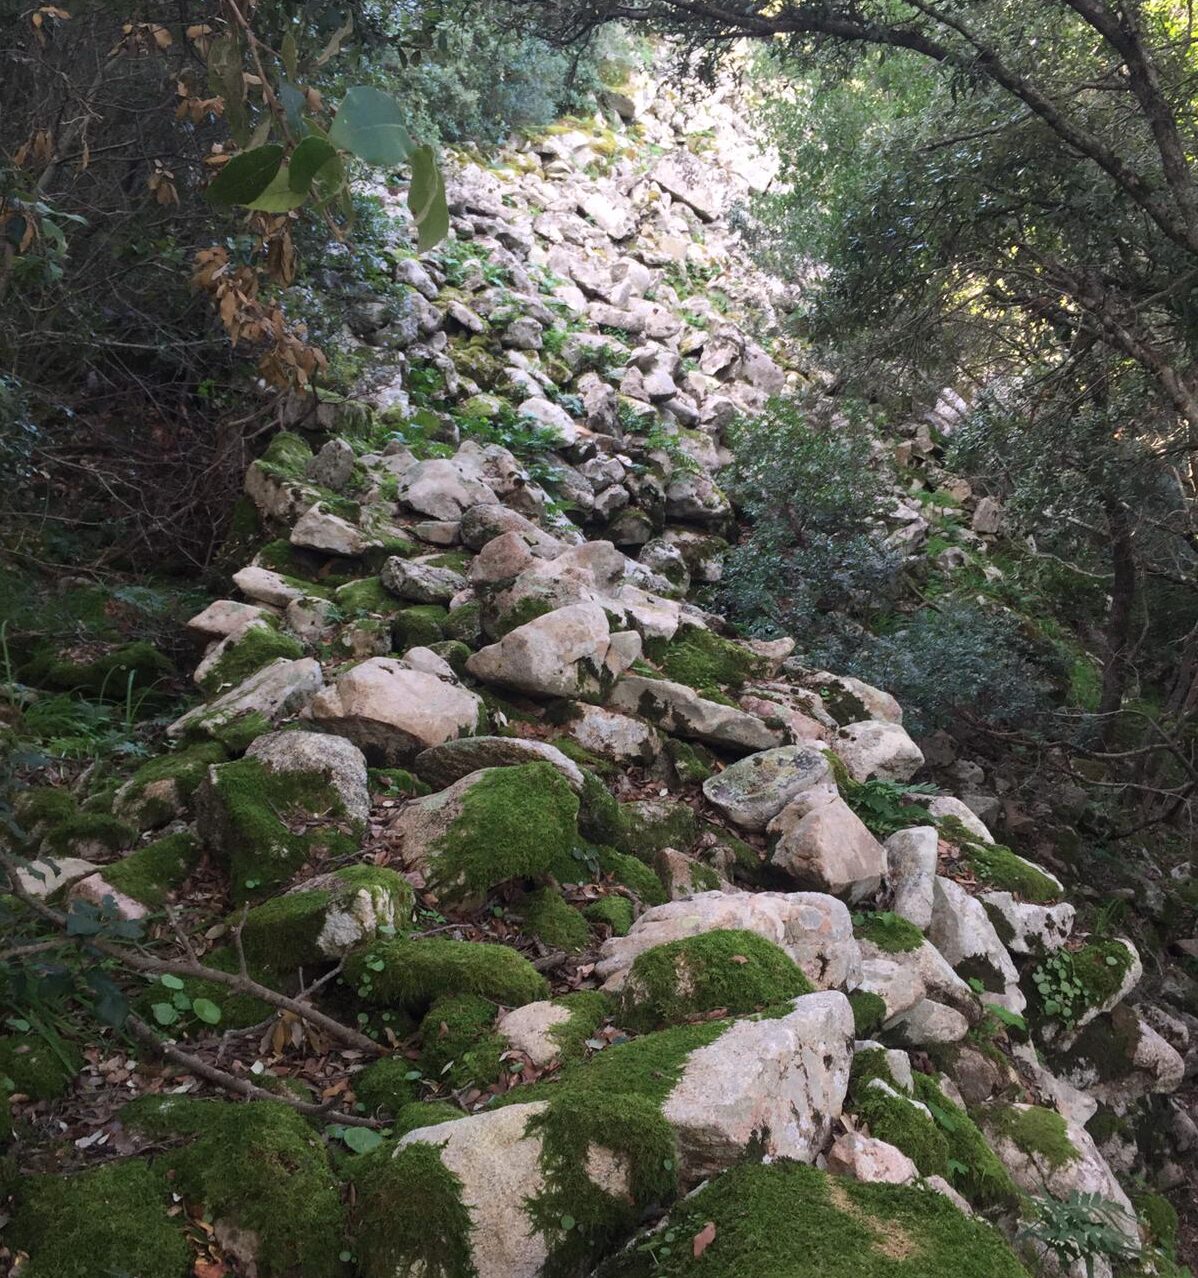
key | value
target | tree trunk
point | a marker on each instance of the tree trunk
(1119, 618)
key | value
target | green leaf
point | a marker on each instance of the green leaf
(171, 982)
(370, 124)
(279, 196)
(207, 1011)
(426, 199)
(246, 176)
(568, 1223)
(164, 1013)
(289, 54)
(361, 1139)
(294, 103)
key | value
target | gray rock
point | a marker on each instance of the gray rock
(419, 581)
(829, 849)
(912, 856)
(551, 417)
(442, 765)
(320, 529)
(333, 466)
(677, 709)
(340, 762)
(752, 791)
(278, 689)
(878, 749)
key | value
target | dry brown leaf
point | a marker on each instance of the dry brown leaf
(703, 1239)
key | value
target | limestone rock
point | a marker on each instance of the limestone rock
(444, 764)
(1029, 928)
(278, 689)
(911, 859)
(529, 1030)
(225, 617)
(42, 878)
(340, 762)
(945, 805)
(420, 582)
(875, 748)
(777, 1085)
(831, 850)
(864, 1158)
(680, 710)
(319, 529)
(898, 985)
(392, 712)
(566, 653)
(928, 1022)
(815, 930)
(438, 488)
(266, 587)
(613, 736)
(962, 932)
(752, 791)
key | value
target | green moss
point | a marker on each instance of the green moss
(703, 660)
(632, 874)
(554, 922)
(460, 1045)
(896, 1120)
(413, 974)
(868, 1064)
(255, 809)
(149, 873)
(418, 627)
(869, 1011)
(409, 1217)
(527, 609)
(281, 934)
(186, 768)
(287, 455)
(692, 765)
(732, 970)
(424, 1114)
(600, 817)
(365, 596)
(38, 1068)
(650, 825)
(453, 652)
(397, 781)
(45, 805)
(577, 1218)
(75, 832)
(998, 867)
(258, 645)
(1033, 1130)
(787, 1220)
(237, 1010)
(514, 824)
(889, 932)
(588, 1010)
(137, 664)
(257, 1165)
(1107, 1045)
(1101, 966)
(973, 1167)
(385, 1087)
(615, 912)
(110, 1220)
(1160, 1218)
(465, 624)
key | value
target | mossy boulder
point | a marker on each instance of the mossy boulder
(37, 1067)
(152, 871)
(418, 627)
(243, 653)
(93, 836)
(553, 921)
(159, 790)
(385, 1087)
(109, 674)
(412, 974)
(265, 824)
(650, 825)
(109, 1220)
(460, 1045)
(788, 1220)
(889, 932)
(260, 1168)
(326, 917)
(703, 660)
(614, 912)
(727, 970)
(493, 826)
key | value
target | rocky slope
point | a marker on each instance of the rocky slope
(633, 907)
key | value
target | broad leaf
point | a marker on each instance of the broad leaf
(361, 1139)
(207, 1011)
(426, 199)
(370, 124)
(111, 1006)
(246, 176)
(309, 158)
(278, 196)
(294, 103)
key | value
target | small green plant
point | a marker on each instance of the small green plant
(883, 805)
(1080, 1227)
(1062, 995)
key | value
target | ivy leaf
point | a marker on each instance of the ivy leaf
(170, 981)
(426, 199)
(207, 1011)
(246, 176)
(165, 1014)
(361, 1139)
(370, 125)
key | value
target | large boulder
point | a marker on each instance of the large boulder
(752, 791)
(340, 762)
(877, 749)
(828, 848)
(277, 690)
(442, 765)
(776, 1086)
(618, 737)
(912, 856)
(680, 710)
(570, 652)
(961, 930)
(439, 489)
(816, 931)
(392, 712)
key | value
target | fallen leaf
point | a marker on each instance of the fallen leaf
(738, 958)
(703, 1239)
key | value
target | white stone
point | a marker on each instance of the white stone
(752, 791)
(875, 748)
(529, 1030)
(911, 859)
